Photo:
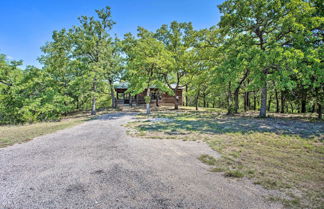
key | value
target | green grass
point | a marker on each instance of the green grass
(284, 154)
(234, 174)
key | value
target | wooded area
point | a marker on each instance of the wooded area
(264, 55)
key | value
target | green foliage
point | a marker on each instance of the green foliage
(78, 63)
(30, 98)
(277, 34)
(146, 58)
(147, 99)
(178, 39)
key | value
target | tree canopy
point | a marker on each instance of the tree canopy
(263, 55)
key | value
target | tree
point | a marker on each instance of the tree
(178, 40)
(269, 26)
(62, 70)
(113, 68)
(82, 60)
(28, 95)
(92, 47)
(10, 77)
(146, 57)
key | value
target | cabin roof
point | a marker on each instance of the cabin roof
(126, 85)
(121, 86)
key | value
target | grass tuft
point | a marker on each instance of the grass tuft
(207, 159)
(217, 169)
(234, 174)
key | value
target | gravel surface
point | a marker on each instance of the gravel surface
(96, 165)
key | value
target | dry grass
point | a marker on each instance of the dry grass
(284, 154)
(10, 135)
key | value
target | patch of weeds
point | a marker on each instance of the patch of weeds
(217, 169)
(271, 183)
(235, 154)
(250, 173)
(234, 174)
(207, 159)
(292, 202)
(141, 133)
(157, 137)
(229, 159)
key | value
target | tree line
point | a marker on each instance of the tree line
(264, 55)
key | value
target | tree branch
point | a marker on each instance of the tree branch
(5, 83)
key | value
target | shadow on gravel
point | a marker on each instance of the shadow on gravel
(114, 116)
(243, 125)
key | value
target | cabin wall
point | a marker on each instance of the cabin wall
(165, 99)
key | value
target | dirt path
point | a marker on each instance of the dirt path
(96, 165)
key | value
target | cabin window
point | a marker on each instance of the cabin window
(153, 96)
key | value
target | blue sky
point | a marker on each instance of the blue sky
(26, 25)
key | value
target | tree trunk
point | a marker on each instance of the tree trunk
(130, 100)
(176, 99)
(263, 108)
(237, 90)
(254, 101)
(77, 103)
(319, 110)
(148, 109)
(229, 100)
(277, 101)
(248, 102)
(187, 95)
(93, 106)
(94, 99)
(303, 103)
(245, 102)
(313, 108)
(282, 102)
(204, 100)
(136, 97)
(112, 94)
(269, 103)
(303, 106)
(65, 113)
(157, 99)
(319, 104)
(197, 100)
(291, 107)
(236, 100)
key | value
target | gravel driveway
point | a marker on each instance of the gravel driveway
(96, 165)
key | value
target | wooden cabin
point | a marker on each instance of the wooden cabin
(157, 97)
